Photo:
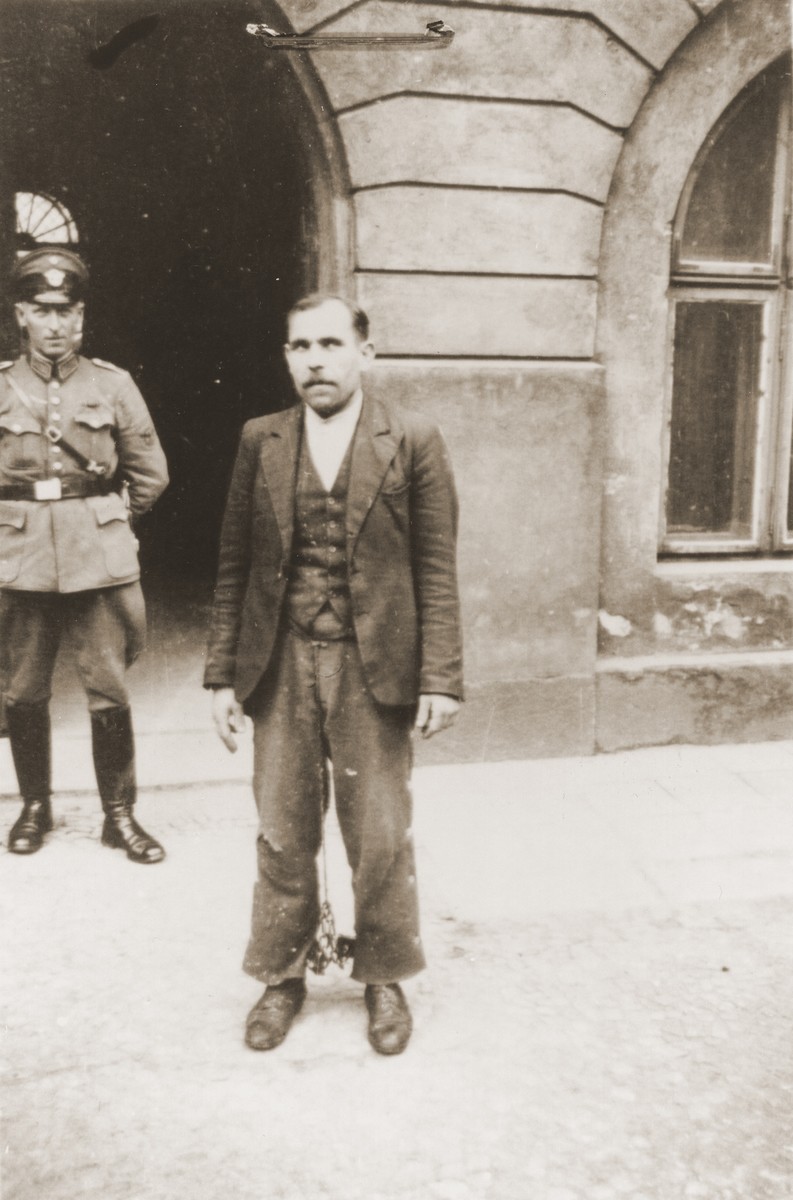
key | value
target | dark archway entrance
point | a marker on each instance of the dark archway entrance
(193, 168)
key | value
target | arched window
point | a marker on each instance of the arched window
(729, 426)
(42, 221)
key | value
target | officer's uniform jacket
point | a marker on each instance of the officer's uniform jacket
(76, 544)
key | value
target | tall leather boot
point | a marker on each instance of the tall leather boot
(29, 734)
(114, 761)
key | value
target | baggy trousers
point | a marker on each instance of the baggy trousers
(314, 707)
(107, 627)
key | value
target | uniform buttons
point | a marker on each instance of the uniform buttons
(16, 428)
(57, 466)
(55, 383)
(55, 399)
(56, 416)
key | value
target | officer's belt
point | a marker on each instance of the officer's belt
(66, 489)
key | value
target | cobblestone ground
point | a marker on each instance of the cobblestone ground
(570, 1053)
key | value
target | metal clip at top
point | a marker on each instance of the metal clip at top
(438, 36)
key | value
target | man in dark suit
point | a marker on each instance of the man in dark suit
(336, 627)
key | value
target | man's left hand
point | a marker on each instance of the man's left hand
(436, 712)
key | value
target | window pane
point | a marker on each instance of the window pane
(41, 220)
(730, 211)
(714, 417)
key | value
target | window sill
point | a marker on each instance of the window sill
(716, 567)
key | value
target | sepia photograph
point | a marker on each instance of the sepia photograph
(396, 599)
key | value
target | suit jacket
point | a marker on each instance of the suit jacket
(73, 545)
(401, 527)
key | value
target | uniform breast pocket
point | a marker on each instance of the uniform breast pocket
(21, 443)
(93, 432)
(12, 540)
(119, 544)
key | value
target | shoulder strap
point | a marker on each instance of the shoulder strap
(100, 362)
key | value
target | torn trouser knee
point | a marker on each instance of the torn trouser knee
(285, 913)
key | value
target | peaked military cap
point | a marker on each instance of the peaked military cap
(49, 276)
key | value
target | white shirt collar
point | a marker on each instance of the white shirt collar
(329, 438)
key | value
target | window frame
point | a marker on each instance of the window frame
(765, 283)
(23, 229)
(722, 543)
(783, 535)
(702, 269)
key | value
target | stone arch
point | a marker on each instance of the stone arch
(330, 175)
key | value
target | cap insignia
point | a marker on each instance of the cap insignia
(55, 277)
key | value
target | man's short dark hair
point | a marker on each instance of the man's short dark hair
(360, 321)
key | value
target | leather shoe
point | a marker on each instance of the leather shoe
(390, 1023)
(270, 1018)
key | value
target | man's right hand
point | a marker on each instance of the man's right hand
(228, 716)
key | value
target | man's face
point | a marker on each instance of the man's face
(54, 329)
(325, 356)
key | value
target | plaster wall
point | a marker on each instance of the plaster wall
(523, 441)
(478, 174)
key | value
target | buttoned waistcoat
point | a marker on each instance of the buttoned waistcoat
(400, 537)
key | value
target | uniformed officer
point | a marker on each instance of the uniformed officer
(79, 461)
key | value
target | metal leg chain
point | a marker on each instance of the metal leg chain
(328, 946)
